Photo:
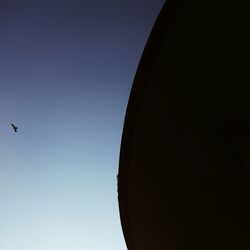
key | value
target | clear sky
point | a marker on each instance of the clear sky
(66, 69)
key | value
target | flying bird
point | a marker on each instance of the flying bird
(14, 127)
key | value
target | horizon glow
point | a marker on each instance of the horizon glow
(66, 69)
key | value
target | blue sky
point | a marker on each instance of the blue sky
(66, 69)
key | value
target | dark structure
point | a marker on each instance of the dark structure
(185, 153)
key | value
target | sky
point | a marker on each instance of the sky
(66, 70)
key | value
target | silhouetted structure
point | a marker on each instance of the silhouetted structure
(185, 152)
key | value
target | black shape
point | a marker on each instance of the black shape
(14, 127)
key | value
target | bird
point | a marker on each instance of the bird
(14, 127)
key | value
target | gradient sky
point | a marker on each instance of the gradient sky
(66, 70)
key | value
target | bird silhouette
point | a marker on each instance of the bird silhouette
(14, 127)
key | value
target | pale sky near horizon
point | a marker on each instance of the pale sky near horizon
(66, 70)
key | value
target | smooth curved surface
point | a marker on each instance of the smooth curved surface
(185, 152)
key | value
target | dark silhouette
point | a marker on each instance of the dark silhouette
(14, 127)
(184, 164)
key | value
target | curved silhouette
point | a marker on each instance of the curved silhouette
(14, 127)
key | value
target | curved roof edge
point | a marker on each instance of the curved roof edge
(162, 22)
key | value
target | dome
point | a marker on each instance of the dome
(185, 151)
